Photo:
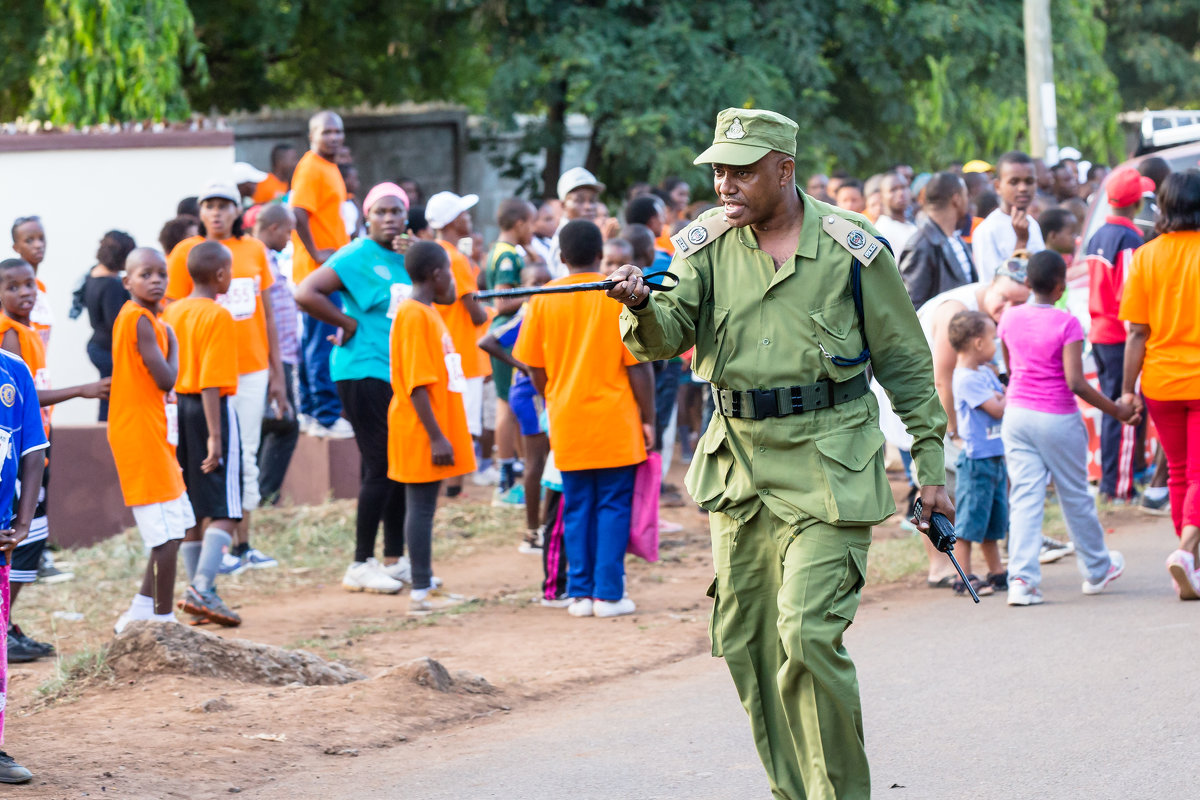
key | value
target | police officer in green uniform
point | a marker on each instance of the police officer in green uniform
(791, 467)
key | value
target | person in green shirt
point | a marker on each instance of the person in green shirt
(791, 467)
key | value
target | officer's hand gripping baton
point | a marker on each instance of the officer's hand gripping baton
(941, 533)
(599, 286)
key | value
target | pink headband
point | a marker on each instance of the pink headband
(386, 189)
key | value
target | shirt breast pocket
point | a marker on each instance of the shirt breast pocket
(838, 335)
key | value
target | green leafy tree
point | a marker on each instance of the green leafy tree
(114, 60)
(19, 37)
(1154, 51)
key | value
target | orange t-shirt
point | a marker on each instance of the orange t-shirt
(318, 188)
(1161, 288)
(251, 277)
(207, 337)
(423, 354)
(594, 418)
(268, 189)
(137, 416)
(458, 319)
(664, 242)
(33, 353)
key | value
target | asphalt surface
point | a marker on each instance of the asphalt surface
(1083, 697)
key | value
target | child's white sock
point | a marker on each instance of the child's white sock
(420, 594)
(142, 604)
(164, 617)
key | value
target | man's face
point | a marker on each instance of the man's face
(1065, 183)
(1002, 294)
(896, 196)
(582, 203)
(460, 227)
(681, 195)
(327, 136)
(286, 164)
(1016, 184)
(851, 198)
(816, 185)
(751, 193)
(906, 171)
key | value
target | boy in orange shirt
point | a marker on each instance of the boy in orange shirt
(428, 438)
(18, 293)
(596, 392)
(143, 431)
(29, 242)
(209, 449)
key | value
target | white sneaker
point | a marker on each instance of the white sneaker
(614, 608)
(666, 526)
(557, 602)
(1114, 571)
(400, 571)
(434, 602)
(580, 607)
(1021, 593)
(369, 576)
(486, 477)
(129, 616)
(340, 429)
(1182, 569)
(308, 425)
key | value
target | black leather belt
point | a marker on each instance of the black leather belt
(763, 403)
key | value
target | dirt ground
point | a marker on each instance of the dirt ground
(150, 736)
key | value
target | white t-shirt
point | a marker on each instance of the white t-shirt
(896, 232)
(995, 240)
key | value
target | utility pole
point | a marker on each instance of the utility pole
(1039, 78)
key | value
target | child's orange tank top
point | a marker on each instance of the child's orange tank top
(33, 351)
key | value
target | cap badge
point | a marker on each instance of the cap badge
(856, 240)
(697, 235)
(736, 131)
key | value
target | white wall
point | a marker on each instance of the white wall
(81, 194)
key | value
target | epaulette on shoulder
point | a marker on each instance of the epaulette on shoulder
(857, 242)
(700, 234)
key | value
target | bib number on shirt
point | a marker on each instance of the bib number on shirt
(454, 369)
(400, 293)
(241, 299)
(172, 409)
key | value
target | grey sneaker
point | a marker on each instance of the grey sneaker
(208, 607)
(48, 573)
(1053, 550)
(11, 771)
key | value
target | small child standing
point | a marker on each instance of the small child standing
(18, 295)
(143, 431)
(981, 492)
(22, 459)
(209, 449)
(428, 439)
(1044, 435)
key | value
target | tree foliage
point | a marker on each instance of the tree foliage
(19, 36)
(1154, 51)
(114, 60)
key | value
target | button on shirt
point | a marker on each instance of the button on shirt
(818, 464)
(995, 240)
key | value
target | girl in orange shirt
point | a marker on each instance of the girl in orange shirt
(428, 438)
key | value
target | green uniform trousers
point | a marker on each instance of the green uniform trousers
(783, 596)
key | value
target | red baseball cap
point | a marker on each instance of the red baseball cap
(1126, 186)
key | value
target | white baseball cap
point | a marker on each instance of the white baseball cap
(1069, 153)
(444, 207)
(224, 191)
(247, 173)
(577, 178)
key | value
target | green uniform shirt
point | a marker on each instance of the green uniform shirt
(755, 328)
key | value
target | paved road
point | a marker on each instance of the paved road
(1084, 697)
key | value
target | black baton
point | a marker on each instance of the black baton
(597, 286)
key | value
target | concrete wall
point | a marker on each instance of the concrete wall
(82, 186)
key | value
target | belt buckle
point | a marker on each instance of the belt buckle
(766, 403)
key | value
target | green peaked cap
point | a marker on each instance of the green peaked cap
(744, 135)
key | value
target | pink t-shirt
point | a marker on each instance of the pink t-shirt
(1035, 336)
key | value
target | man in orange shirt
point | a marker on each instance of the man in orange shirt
(447, 214)
(428, 440)
(209, 449)
(318, 192)
(275, 185)
(143, 431)
(595, 390)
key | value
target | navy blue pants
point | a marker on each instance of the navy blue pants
(318, 394)
(666, 393)
(597, 504)
(1118, 441)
